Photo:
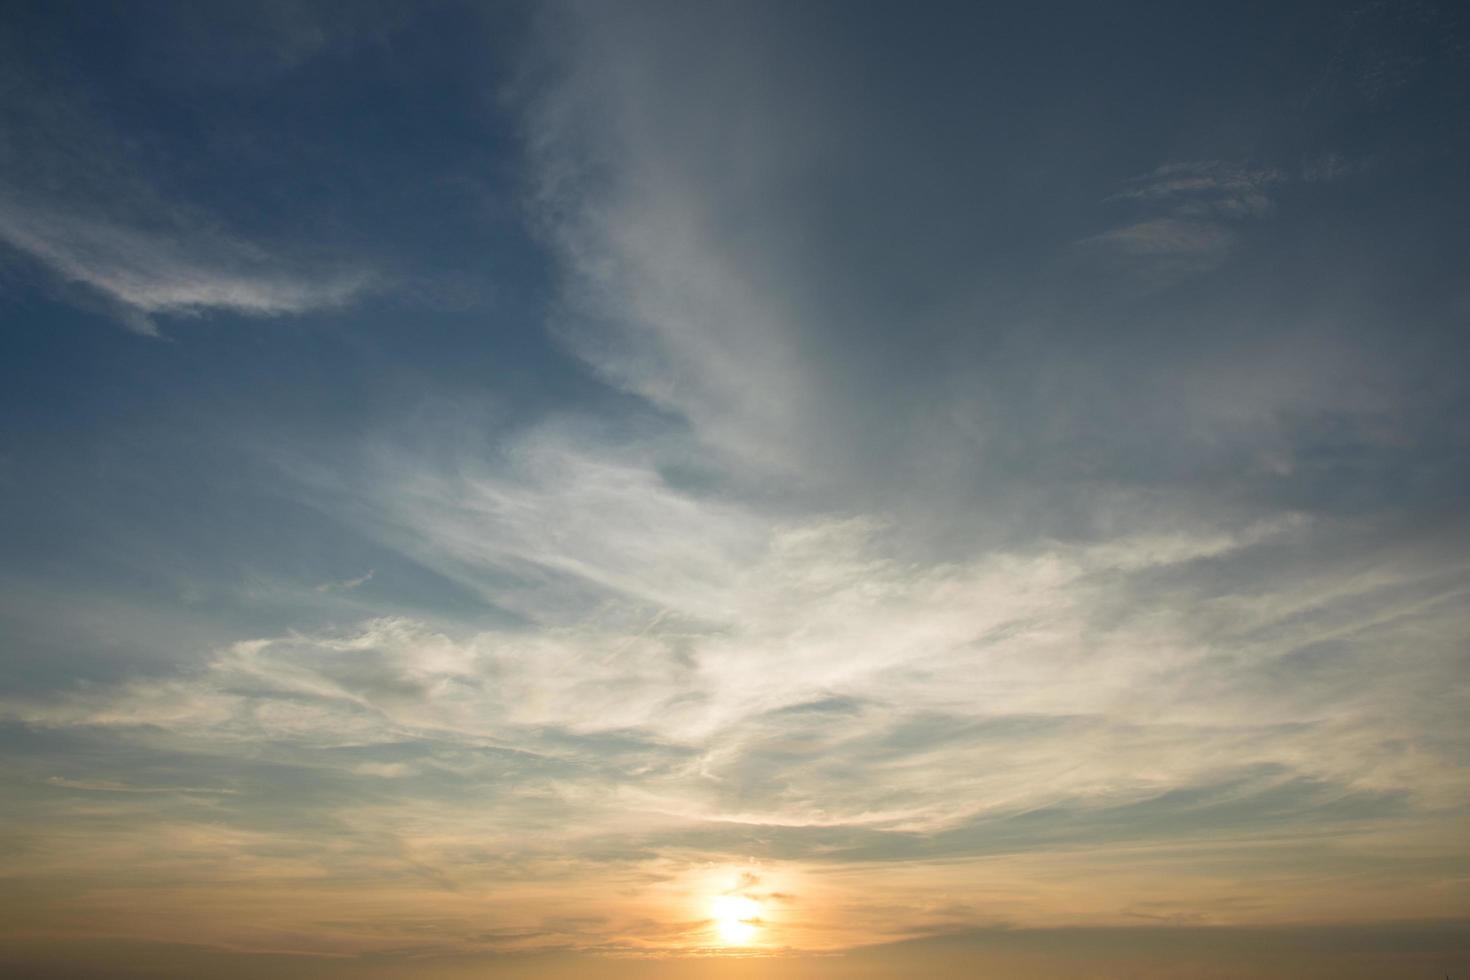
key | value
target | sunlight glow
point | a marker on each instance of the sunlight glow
(737, 919)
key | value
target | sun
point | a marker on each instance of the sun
(737, 919)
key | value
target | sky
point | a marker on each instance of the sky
(734, 489)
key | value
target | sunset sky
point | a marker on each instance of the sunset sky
(734, 489)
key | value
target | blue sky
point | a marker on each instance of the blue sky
(497, 478)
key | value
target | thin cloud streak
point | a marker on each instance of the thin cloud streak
(180, 274)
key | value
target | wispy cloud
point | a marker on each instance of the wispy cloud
(1182, 217)
(113, 786)
(173, 269)
(1207, 188)
(657, 294)
(698, 675)
(346, 584)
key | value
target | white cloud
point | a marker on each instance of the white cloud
(1200, 243)
(1183, 216)
(796, 673)
(346, 584)
(1207, 187)
(113, 786)
(662, 291)
(172, 270)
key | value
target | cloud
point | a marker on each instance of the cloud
(104, 200)
(173, 270)
(346, 584)
(1183, 218)
(762, 279)
(1207, 188)
(660, 292)
(696, 659)
(1169, 246)
(112, 786)
(790, 694)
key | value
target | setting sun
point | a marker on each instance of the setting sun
(737, 919)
